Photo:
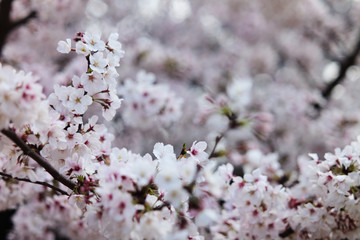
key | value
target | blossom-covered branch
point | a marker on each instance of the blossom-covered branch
(38, 158)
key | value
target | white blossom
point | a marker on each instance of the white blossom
(64, 47)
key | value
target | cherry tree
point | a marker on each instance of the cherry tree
(180, 119)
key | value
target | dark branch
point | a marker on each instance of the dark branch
(23, 21)
(36, 182)
(6, 25)
(288, 231)
(158, 208)
(345, 64)
(5, 9)
(38, 158)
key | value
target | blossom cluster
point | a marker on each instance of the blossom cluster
(148, 103)
(98, 84)
(21, 98)
(332, 184)
(38, 218)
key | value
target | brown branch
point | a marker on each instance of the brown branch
(38, 158)
(36, 182)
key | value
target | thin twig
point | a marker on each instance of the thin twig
(36, 182)
(217, 140)
(38, 158)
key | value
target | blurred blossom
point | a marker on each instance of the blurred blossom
(331, 71)
(179, 10)
(96, 8)
(148, 8)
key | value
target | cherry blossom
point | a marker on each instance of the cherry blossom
(64, 47)
(78, 101)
